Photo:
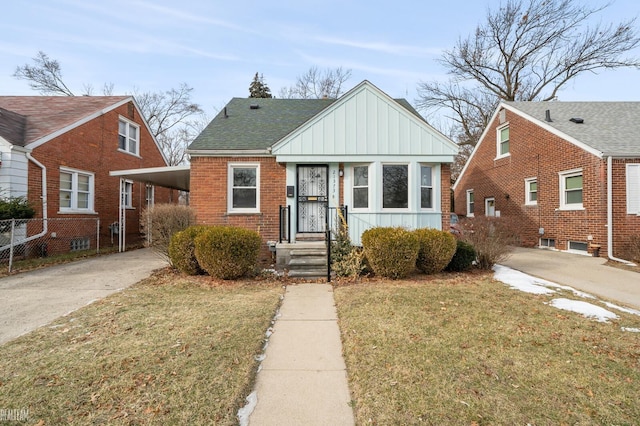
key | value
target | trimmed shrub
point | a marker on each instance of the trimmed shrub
(159, 222)
(436, 249)
(463, 258)
(227, 252)
(182, 250)
(391, 252)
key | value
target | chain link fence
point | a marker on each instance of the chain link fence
(22, 239)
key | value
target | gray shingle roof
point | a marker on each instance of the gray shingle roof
(613, 128)
(238, 127)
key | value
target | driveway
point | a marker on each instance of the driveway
(589, 274)
(33, 299)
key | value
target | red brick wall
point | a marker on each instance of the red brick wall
(536, 152)
(208, 196)
(624, 225)
(445, 196)
(93, 147)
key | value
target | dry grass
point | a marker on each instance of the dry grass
(170, 350)
(464, 349)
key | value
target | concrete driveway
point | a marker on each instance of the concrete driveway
(589, 274)
(33, 299)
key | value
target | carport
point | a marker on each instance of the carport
(173, 177)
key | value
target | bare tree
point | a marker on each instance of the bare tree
(316, 84)
(172, 117)
(527, 50)
(45, 76)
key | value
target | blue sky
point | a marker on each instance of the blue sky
(217, 46)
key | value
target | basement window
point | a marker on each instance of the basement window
(78, 244)
(547, 243)
(577, 247)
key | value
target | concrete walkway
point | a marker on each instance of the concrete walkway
(35, 298)
(586, 273)
(303, 379)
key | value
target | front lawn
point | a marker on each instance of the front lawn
(169, 350)
(467, 350)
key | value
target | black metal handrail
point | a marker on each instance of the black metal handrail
(285, 224)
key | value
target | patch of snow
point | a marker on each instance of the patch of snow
(621, 309)
(245, 412)
(260, 357)
(587, 309)
(521, 281)
(629, 329)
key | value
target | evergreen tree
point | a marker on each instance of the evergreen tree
(258, 88)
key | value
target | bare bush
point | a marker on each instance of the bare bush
(159, 222)
(491, 237)
(633, 248)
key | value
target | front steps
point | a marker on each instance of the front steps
(302, 259)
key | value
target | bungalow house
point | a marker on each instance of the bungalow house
(58, 151)
(568, 172)
(278, 166)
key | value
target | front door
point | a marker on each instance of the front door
(312, 198)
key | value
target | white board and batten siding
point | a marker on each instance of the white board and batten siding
(13, 172)
(366, 126)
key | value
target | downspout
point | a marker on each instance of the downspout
(45, 227)
(610, 215)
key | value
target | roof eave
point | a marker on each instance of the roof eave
(230, 152)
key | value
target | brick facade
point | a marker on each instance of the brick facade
(538, 153)
(93, 147)
(209, 196)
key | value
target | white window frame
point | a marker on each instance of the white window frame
(527, 192)
(127, 137)
(354, 186)
(432, 187)
(563, 195)
(409, 192)
(500, 142)
(230, 187)
(150, 195)
(470, 195)
(127, 194)
(633, 188)
(75, 190)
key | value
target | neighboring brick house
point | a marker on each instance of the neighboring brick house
(568, 172)
(67, 146)
(366, 151)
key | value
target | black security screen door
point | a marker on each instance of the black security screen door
(312, 198)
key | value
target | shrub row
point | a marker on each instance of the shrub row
(224, 252)
(396, 252)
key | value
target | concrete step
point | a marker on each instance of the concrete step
(307, 262)
(305, 252)
(307, 274)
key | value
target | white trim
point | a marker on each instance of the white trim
(127, 148)
(486, 206)
(409, 186)
(433, 187)
(230, 168)
(499, 141)
(74, 191)
(352, 187)
(555, 131)
(470, 214)
(632, 177)
(528, 192)
(536, 121)
(562, 176)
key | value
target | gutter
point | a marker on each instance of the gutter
(610, 215)
(45, 224)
